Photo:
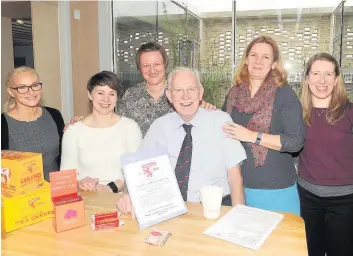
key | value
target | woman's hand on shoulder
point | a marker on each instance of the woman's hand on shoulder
(207, 106)
(73, 120)
(239, 132)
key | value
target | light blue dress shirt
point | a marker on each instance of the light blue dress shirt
(212, 152)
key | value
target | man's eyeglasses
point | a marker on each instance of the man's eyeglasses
(22, 89)
(190, 90)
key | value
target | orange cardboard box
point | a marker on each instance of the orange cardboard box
(21, 172)
(23, 210)
(69, 209)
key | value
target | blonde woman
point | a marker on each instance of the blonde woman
(95, 145)
(268, 120)
(325, 181)
(27, 126)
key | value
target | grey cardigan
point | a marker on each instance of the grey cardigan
(287, 121)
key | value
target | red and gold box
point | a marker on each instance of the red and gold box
(21, 172)
(69, 209)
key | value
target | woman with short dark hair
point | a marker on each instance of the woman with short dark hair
(94, 145)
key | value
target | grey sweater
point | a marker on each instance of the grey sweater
(287, 121)
(39, 136)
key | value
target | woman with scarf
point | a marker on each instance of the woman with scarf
(268, 120)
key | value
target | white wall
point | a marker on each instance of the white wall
(45, 31)
(24, 52)
(6, 55)
(65, 60)
(105, 36)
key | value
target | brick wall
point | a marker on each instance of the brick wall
(297, 40)
(299, 37)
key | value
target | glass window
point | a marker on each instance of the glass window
(347, 47)
(172, 20)
(300, 30)
(135, 24)
(336, 32)
(216, 49)
(201, 35)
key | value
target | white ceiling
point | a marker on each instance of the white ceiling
(137, 8)
(246, 5)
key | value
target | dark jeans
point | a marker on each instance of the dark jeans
(328, 223)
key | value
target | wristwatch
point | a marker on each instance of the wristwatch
(113, 187)
(258, 138)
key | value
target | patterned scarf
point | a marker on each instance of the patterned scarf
(261, 106)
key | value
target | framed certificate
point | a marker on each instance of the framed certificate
(153, 188)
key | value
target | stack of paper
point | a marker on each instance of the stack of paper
(245, 226)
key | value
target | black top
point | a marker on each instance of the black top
(54, 113)
(287, 121)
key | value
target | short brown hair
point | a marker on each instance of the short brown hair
(151, 47)
(103, 78)
(280, 75)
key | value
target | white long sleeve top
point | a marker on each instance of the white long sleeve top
(96, 152)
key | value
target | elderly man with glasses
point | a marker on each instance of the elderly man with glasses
(198, 150)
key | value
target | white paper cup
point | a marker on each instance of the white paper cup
(211, 199)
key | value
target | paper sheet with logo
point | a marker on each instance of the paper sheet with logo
(245, 226)
(153, 188)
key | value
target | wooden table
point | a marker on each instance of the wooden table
(187, 238)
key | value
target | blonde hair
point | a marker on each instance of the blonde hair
(339, 100)
(11, 102)
(280, 75)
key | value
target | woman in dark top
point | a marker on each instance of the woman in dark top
(25, 126)
(268, 121)
(325, 180)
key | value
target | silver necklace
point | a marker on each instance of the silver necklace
(319, 113)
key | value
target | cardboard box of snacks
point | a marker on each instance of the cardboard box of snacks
(21, 172)
(23, 210)
(69, 209)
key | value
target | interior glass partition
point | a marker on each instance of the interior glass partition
(347, 47)
(337, 29)
(134, 24)
(167, 22)
(204, 35)
(300, 30)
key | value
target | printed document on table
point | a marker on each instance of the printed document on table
(153, 188)
(245, 226)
